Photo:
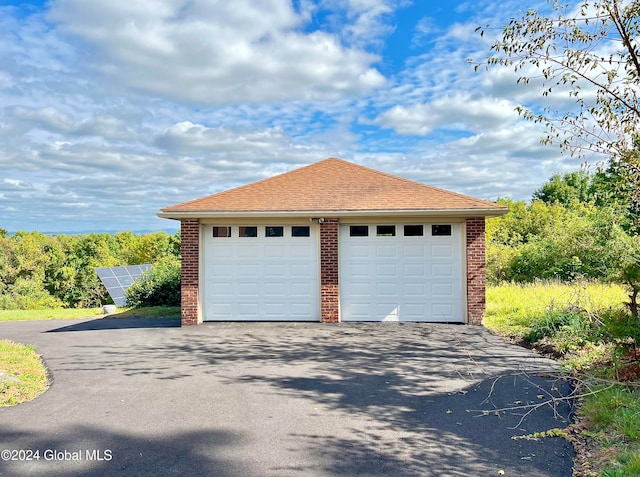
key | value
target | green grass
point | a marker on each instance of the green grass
(148, 312)
(513, 310)
(82, 313)
(613, 416)
(588, 326)
(22, 363)
(50, 314)
(616, 410)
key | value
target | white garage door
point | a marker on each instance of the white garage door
(401, 272)
(260, 273)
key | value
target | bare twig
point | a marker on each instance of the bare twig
(552, 401)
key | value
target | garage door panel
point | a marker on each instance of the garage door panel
(275, 289)
(248, 289)
(360, 289)
(301, 270)
(442, 251)
(413, 251)
(387, 289)
(441, 270)
(414, 311)
(275, 270)
(220, 270)
(297, 309)
(248, 250)
(398, 278)
(222, 289)
(387, 311)
(224, 310)
(248, 310)
(414, 270)
(223, 249)
(248, 270)
(386, 251)
(358, 270)
(358, 251)
(414, 289)
(274, 310)
(387, 270)
(301, 289)
(442, 311)
(274, 251)
(439, 290)
(302, 251)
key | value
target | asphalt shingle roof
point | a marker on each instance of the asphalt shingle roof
(334, 185)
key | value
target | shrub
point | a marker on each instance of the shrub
(159, 286)
(27, 294)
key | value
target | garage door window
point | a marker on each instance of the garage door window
(441, 230)
(245, 231)
(359, 230)
(413, 230)
(385, 230)
(274, 231)
(222, 231)
(300, 231)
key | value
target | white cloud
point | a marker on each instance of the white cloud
(453, 112)
(13, 184)
(187, 138)
(209, 53)
(363, 23)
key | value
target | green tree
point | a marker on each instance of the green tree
(147, 248)
(71, 276)
(589, 52)
(567, 188)
(610, 187)
(23, 264)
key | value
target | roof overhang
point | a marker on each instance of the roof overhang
(179, 215)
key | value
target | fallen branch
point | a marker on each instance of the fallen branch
(552, 401)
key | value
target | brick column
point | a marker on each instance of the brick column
(475, 270)
(329, 287)
(190, 250)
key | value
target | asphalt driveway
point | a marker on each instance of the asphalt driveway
(145, 397)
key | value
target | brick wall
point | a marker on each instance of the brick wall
(329, 269)
(475, 270)
(190, 248)
(329, 286)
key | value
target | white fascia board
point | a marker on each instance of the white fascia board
(178, 215)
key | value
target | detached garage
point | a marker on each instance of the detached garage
(333, 241)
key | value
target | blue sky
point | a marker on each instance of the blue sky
(112, 110)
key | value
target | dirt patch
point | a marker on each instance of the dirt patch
(6, 377)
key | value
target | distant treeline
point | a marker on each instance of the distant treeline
(50, 271)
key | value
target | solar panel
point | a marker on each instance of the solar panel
(117, 279)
